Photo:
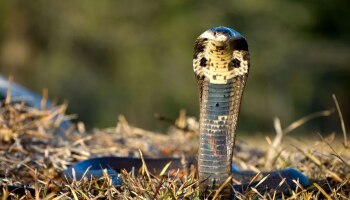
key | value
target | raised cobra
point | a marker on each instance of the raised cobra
(221, 65)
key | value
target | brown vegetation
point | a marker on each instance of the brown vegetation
(34, 154)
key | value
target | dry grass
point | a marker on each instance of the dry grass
(33, 153)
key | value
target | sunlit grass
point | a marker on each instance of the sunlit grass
(33, 155)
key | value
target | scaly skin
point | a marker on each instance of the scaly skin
(221, 65)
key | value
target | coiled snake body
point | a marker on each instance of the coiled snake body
(221, 65)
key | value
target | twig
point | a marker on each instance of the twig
(8, 94)
(274, 150)
(158, 188)
(303, 120)
(334, 152)
(341, 119)
(44, 99)
(322, 191)
(144, 166)
(227, 181)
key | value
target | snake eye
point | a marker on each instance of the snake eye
(203, 62)
(235, 63)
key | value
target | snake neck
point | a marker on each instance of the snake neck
(219, 109)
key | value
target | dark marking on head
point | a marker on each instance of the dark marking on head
(239, 44)
(217, 105)
(235, 63)
(230, 68)
(246, 56)
(199, 46)
(200, 76)
(203, 62)
(214, 77)
(220, 48)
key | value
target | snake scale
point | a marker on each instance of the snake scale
(221, 64)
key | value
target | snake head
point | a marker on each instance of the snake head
(220, 54)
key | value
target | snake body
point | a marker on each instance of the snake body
(221, 65)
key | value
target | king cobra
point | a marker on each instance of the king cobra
(221, 64)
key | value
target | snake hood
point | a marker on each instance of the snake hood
(220, 54)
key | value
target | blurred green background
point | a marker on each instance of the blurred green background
(114, 57)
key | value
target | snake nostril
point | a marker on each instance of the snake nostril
(217, 105)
